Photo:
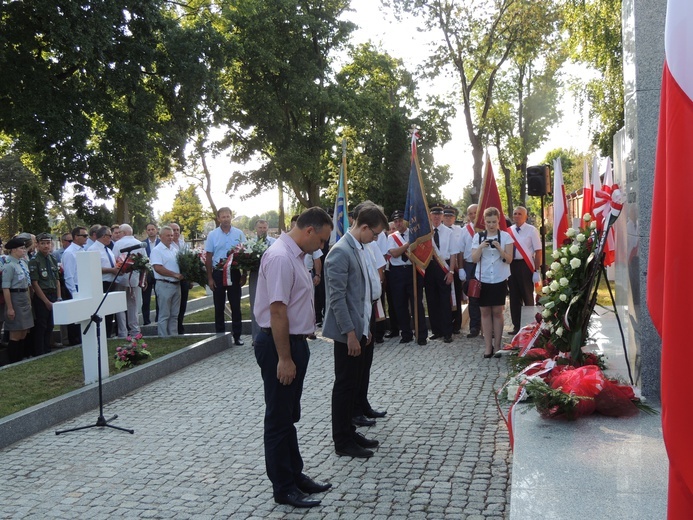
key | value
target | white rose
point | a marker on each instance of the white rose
(559, 331)
(549, 305)
(563, 298)
(575, 263)
(555, 266)
(593, 224)
(556, 254)
(575, 249)
(580, 238)
(564, 282)
(587, 217)
(546, 313)
(564, 261)
(549, 274)
(554, 286)
(571, 232)
(545, 290)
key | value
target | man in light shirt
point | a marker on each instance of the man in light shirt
(129, 283)
(109, 270)
(168, 277)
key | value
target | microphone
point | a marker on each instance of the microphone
(132, 248)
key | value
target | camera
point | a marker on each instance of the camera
(490, 242)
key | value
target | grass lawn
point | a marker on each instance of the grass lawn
(207, 315)
(46, 377)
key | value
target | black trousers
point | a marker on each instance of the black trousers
(521, 290)
(391, 310)
(348, 371)
(457, 314)
(233, 294)
(282, 411)
(110, 318)
(74, 331)
(319, 301)
(438, 298)
(184, 290)
(43, 324)
(402, 287)
(361, 405)
(473, 307)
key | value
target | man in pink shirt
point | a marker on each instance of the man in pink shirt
(285, 313)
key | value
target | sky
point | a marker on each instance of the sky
(401, 40)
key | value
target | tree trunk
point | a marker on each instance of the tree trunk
(122, 212)
(282, 216)
(207, 183)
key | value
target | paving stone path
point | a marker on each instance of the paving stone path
(197, 449)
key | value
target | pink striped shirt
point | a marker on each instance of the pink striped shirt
(284, 278)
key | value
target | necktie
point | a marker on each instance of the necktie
(436, 239)
(517, 228)
(110, 257)
(405, 256)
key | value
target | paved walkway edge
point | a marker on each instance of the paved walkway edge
(21, 425)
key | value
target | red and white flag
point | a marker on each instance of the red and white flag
(489, 197)
(560, 206)
(669, 283)
(602, 209)
(587, 191)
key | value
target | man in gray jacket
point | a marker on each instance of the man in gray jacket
(347, 322)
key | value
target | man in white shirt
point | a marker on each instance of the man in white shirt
(522, 276)
(179, 245)
(439, 276)
(108, 266)
(261, 227)
(467, 271)
(449, 217)
(129, 283)
(168, 277)
(69, 264)
(150, 242)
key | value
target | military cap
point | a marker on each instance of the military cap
(398, 213)
(450, 210)
(436, 208)
(15, 242)
(43, 236)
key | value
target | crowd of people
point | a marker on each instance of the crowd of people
(366, 270)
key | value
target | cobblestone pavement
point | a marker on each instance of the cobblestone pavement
(197, 449)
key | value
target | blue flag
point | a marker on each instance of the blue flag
(340, 218)
(416, 213)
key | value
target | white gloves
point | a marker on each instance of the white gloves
(462, 274)
(535, 277)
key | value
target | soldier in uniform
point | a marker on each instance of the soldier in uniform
(43, 271)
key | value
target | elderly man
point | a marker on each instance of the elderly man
(261, 227)
(109, 270)
(168, 277)
(79, 238)
(284, 310)
(180, 245)
(525, 267)
(129, 283)
(347, 321)
(219, 242)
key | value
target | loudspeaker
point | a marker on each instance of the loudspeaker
(538, 180)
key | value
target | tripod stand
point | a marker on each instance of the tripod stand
(101, 421)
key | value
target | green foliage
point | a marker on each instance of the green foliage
(89, 213)
(595, 39)
(192, 267)
(13, 174)
(187, 212)
(31, 209)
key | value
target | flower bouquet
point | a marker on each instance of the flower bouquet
(192, 266)
(246, 257)
(132, 353)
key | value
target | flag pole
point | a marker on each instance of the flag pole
(346, 184)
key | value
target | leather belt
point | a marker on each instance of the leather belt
(167, 281)
(268, 331)
(19, 290)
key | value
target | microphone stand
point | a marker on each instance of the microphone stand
(101, 421)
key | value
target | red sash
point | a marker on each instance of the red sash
(524, 254)
(470, 229)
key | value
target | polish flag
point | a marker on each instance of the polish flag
(669, 283)
(608, 187)
(587, 192)
(560, 206)
(596, 184)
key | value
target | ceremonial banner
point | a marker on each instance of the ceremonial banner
(489, 198)
(669, 282)
(340, 218)
(587, 192)
(416, 213)
(560, 206)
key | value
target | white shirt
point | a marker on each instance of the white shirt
(166, 257)
(376, 261)
(107, 259)
(529, 239)
(309, 260)
(447, 245)
(70, 267)
(491, 268)
(180, 246)
(391, 244)
(364, 261)
(464, 244)
(131, 279)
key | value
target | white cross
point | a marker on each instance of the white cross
(80, 309)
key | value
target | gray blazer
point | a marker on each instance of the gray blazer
(345, 291)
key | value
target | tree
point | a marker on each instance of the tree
(13, 174)
(187, 212)
(31, 209)
(594, 28)
(477, 39)
(281, 100)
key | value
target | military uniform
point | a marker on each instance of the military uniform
(44, 273)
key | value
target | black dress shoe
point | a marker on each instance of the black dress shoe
(362, 420)
(238, 341)
(181, 332)
(473, 333)
(362, 441)
(354, 450)
(311, 336)
(379, 340)
(456, 331)
(422, 342)
(513, 332)
(374, 414)
(389, 335)
(436, 336)
(309, 486)
(447, 339)
(296, 499)
(406, 340)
